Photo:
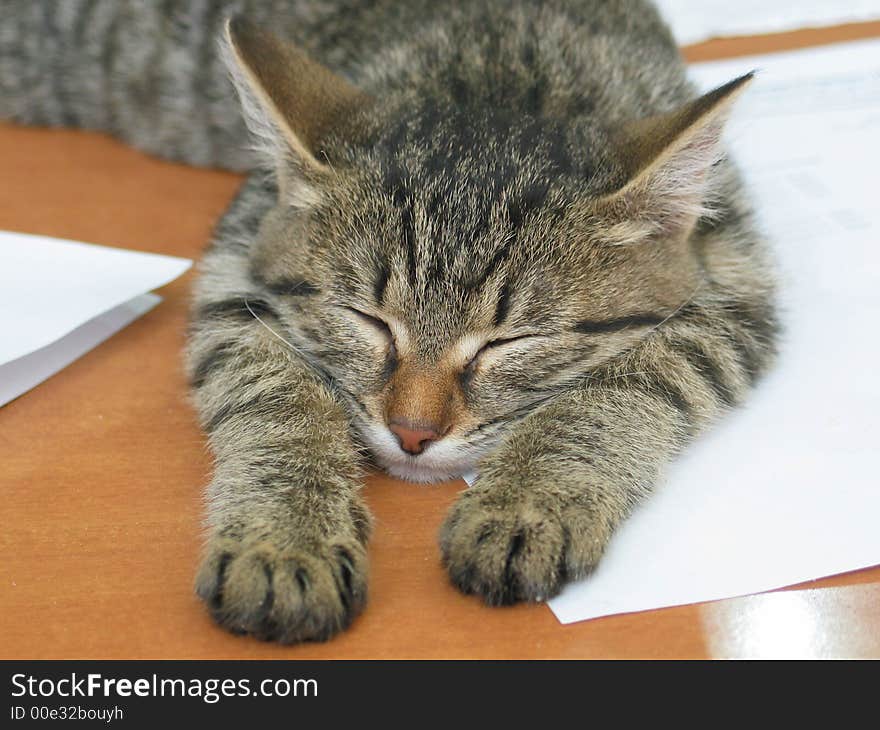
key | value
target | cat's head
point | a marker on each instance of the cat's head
(452, 265)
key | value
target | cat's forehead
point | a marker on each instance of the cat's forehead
(484, 147)
(454, 214)
(457, 193)
(447, 261)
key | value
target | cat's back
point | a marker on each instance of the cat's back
(611, 60)
(150, 72)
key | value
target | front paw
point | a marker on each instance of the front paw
(286, 594)
(517, 550)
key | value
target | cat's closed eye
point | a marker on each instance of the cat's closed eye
(495, 345)
(380, 326)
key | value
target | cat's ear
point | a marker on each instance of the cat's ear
(666, 161)
(290, 102)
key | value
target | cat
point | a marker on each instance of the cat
(500, 236)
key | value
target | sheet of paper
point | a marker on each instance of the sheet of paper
(785, 489)
(696, 20)
(49, 287)
(28, 371)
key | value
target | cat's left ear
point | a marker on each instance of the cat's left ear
(666, 161)
(292, 104)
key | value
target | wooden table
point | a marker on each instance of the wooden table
(103, 467)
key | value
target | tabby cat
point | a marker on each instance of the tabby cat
(495, 235)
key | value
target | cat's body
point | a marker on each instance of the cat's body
(491, 249)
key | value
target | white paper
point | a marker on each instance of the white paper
(49, 287)
(785, 489)
(24, 373)
(696, 20)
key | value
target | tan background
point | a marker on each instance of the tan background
(102, 466)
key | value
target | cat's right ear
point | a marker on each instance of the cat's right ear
(291, 103)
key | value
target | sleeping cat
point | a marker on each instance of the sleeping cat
(499, 236)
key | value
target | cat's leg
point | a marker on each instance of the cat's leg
(547, 501)
(549, 497)
(285, 556)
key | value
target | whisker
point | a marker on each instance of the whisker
(480, 435)
(676, 310)
(626, 375)
(307, 358)
(257, 317)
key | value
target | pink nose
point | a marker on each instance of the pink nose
(413, 437)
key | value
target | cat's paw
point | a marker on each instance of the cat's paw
(508, 553)
(288, 594)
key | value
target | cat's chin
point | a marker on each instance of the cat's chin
(426, 475)
(440, 461)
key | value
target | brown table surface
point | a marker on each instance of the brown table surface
(102, 468)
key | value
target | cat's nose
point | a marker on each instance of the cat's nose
(413, 437)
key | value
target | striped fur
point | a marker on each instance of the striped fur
(489, 254)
